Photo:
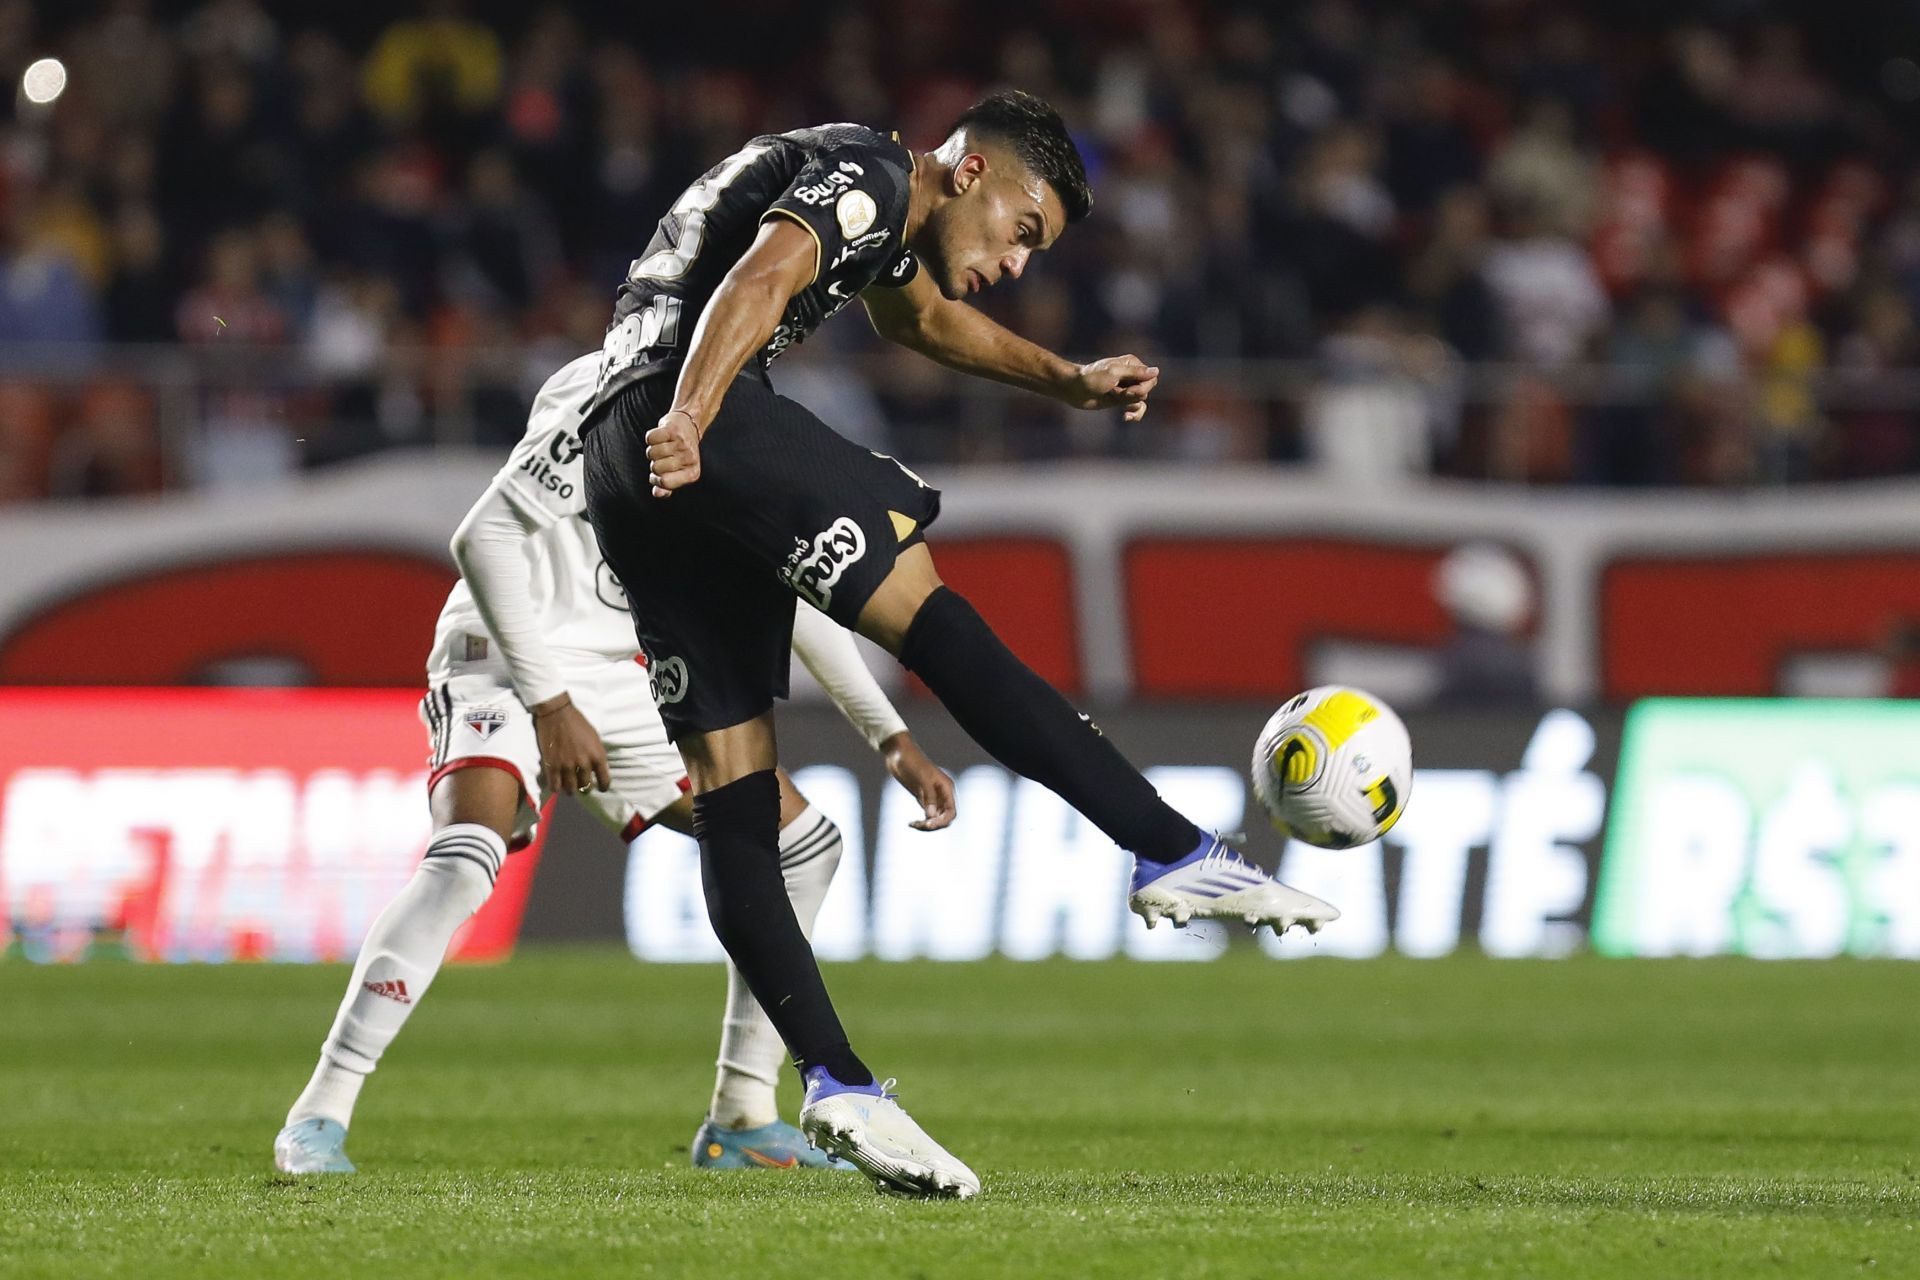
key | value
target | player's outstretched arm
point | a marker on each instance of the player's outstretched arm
(829, 652)
(488, 548)
(739, 320)
(917, 316)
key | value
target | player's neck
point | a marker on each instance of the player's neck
(922, 189)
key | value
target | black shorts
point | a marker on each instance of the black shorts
(784, 506)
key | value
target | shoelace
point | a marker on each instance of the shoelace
(1225, 855)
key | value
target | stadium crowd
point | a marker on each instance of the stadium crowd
(1545, 242)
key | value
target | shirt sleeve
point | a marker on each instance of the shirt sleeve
(488, 547)
(852, 201)
(829, 652)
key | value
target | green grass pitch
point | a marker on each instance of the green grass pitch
(1247, 1117)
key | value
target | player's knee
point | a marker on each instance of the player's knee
(483, 795)
(889, 613)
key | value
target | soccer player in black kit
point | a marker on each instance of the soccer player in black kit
(715, 500)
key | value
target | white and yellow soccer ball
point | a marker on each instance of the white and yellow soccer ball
(1334, 767)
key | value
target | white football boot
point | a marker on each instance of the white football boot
(1215, 883)
(864, 1125)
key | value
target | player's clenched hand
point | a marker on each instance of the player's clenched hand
(572, 757)
(927, 781)
(1118, 382)
(673, 453)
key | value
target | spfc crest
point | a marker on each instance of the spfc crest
(485, 721)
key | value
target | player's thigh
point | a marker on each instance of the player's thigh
(477, 725)
(827, 516)
(715, 624)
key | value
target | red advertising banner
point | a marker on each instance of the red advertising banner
(217, 824)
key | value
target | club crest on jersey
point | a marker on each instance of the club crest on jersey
(485, 721)
(855, 212)
(609, 589)
(814, 567)
(668, 680)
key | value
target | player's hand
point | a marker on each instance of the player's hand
(573, 760)
(673, 453)
(1118, 382)
(927, 781)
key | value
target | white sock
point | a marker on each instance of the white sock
(403, 951)
(751, 1051)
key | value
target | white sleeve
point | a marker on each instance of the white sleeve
(489, 547)
(831, 655)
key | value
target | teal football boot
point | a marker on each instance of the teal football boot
(771, 1146)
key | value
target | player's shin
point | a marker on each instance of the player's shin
(403, 951)
(1027, 726)
(751, 1050)
(737, 826)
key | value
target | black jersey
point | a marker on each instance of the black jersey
(847, 185)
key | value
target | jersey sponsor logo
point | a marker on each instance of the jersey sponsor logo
(628, 342)
(668, 680)
(814, 568)
(564, 447)
(819, 193)
(855, 212)
(834, 291)
(545, 476)
(485, 721)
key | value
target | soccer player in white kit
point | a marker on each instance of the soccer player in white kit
(535, 687)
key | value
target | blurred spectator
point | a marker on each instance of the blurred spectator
(1877, 435)
(1540, 168)
(1544, 290)
(244, 438)
(239, 30)
(1429, 149)
(1448, 280)
(501, 246)
(436, 69)
(44, 295)
(1489, 660)
(140, 298)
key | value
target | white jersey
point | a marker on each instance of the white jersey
(582, 606)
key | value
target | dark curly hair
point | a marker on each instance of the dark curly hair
(1036, 133)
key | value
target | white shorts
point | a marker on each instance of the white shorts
(474, 719)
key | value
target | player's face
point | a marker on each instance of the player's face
(990, 230)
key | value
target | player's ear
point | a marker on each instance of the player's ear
(967, 172)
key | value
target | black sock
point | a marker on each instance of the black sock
(1027, 726)
(738, 828)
